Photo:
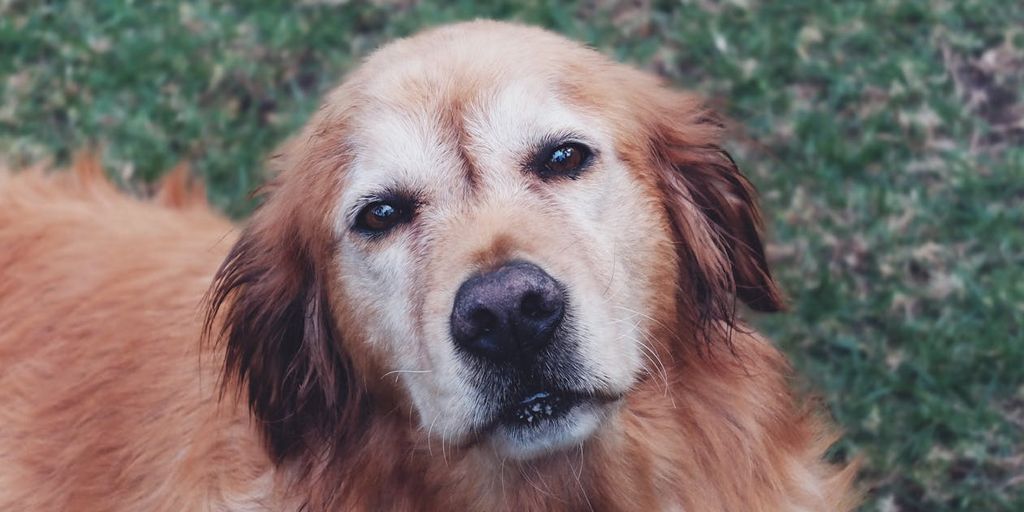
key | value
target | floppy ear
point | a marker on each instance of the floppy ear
(270, 301)
(714, 213)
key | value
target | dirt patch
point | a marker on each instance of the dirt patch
(990, 85)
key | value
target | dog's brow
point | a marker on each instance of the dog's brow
(563, 136)
(452, 122)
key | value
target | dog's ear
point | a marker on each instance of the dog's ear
(713, 211)
(270, 309)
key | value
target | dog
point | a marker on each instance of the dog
(495, 271)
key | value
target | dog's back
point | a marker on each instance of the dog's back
(106, 396)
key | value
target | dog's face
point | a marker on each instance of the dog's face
(503, 256)
(497, 227)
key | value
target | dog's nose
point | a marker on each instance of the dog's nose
(508, 314)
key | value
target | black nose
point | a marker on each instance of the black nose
(508, 314)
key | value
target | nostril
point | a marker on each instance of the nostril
(532, 305)
(484, 320)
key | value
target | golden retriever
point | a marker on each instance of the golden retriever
(495, 271)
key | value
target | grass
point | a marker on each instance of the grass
(885, 136)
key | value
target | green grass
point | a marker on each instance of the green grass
(886, 138)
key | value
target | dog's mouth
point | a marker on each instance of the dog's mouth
(546, 420)
(541, 407)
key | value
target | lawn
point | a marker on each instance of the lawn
(886, 138)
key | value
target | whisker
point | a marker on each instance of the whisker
(522, 472)
(501, 476)
(396, 372)
(611, 278)
(444, 437)
(579, 477)
(430, 431)
(655, 360)
(661, 324)
(648, 352)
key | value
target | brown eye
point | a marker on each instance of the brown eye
(566, 160)
(380, 216)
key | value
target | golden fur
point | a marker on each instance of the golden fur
(109, 400)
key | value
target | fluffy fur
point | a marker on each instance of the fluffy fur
(315, 371)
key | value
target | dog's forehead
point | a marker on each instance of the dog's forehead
(444, 112)
(439, 132)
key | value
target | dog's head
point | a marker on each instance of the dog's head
(495, 226)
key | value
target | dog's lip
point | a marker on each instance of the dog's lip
(538, 406)
(535, 408)
(499, 421)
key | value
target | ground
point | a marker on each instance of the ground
(885, 136)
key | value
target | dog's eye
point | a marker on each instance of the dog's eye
(566, 160)
(380, 216)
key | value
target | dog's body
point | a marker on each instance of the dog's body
(109, 400)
